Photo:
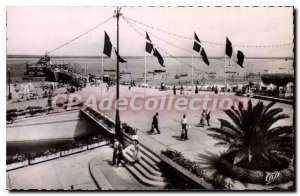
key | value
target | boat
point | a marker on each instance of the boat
(159, 71)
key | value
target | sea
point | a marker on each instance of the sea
(135, 67)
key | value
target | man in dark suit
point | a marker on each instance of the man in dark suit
(155, 123)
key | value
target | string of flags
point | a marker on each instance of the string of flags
(209, 42)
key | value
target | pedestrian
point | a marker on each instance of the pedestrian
(203, 116)
(115, 152)
(129, 87)
(174, 90)
(181, 90)
(119, 154)
(208, 117)
(136, 156)
(196, 90)
(184, 128)
(155, 124)
(107, 88)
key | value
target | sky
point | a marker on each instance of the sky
(34, 30)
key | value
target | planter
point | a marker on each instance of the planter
(17, 165)
(73, 151)
(187, 173)
(96, 145)
(255, 177)
(44, 158)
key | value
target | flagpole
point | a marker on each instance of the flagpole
(192, 69)
(225, 73)
(101, 74)
(145, 67)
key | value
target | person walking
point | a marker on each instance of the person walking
(196, 90)
(208, 117)
(115, 152)
(120, 154)
(155, 124)
(136, 156)
(203, 116)
(174, 90)
(184, 129)
(181, 90)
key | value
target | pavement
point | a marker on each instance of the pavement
(169, 123)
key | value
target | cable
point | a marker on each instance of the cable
(66, 43)
(210, 42)
(164, 50)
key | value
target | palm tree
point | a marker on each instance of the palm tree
(253, 142)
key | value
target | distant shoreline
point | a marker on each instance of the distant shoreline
(131, 57)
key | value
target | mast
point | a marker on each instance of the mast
(117, 120)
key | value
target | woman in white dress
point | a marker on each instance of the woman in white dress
(136, 153)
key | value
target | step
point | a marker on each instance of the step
(150, 154)
(146, 159)
(143, 172)
(145, 165)
(142, 179)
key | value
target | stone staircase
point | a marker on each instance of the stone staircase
(147, 171)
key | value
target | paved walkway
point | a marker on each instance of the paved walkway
(61, 173)
(169, 123)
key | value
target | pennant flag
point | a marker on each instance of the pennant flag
(158, 56)
(120, 59)
(149, 45)
(228, 51)
(234, 57)
(204, 57)
(196, 38)
(107, 45)
(147, 37)
(240, 57)
(197, 45)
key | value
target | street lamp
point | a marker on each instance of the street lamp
(117, 14)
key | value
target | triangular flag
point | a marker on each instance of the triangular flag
(234, 57)
(149, 47)
(147, 37)
(197, 45)
(196, 38)
(204, 57)
(158, 56)
(228, 50)
(120, 59)
(107, 45)
(240, 57)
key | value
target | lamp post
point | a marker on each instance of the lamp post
(117, 120)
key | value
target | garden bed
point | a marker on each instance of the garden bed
(17, 165)
(99, 144)
(73, 151)
(44, 158)
(200, 181)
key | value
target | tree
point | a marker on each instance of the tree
(253, 142)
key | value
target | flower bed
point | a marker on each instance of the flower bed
(71, 147)
(187, 173)
(73, 151)
(17, 165)
(254, 176)
(44, 158)
(195, 169)
(102, 118)
(128, 129)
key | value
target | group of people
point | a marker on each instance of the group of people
(118, 152)
(205, 116)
